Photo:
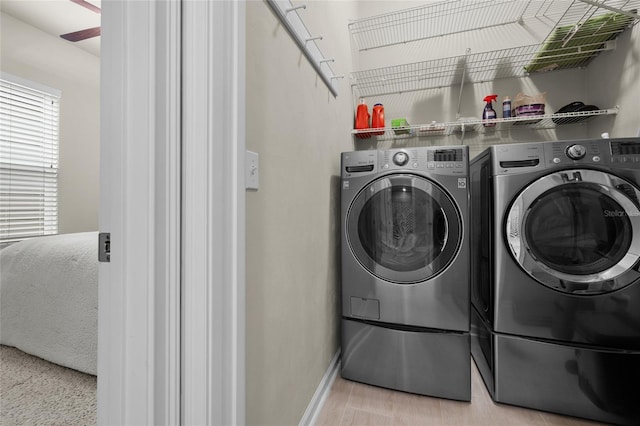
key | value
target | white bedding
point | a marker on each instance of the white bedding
(49, 298)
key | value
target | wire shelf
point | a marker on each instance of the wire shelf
(442, 19)
(582, 29)
(454, 17)
(547, 121)
(471, 68)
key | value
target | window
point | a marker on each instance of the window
(29, 116)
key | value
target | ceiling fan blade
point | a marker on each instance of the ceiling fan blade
(82, 34)
(88, 5)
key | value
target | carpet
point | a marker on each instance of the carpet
(36, 392)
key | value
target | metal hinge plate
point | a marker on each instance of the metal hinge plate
(104, 247)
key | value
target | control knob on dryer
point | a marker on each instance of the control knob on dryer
(400, 158)
(576, 152)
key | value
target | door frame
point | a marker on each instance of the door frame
(213, 342)
(171, 300)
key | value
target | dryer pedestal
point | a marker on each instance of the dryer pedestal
(421, 361)
(580, 381)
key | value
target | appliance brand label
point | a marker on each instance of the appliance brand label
(462, 183)
(345, 184)
(619, 213)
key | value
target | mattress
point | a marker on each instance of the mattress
(49, 299)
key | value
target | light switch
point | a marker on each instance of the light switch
(252, 170)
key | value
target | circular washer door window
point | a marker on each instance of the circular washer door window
(403, 228)
(575, 231)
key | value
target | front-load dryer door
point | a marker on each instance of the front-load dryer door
(577, 231)
(403, 228)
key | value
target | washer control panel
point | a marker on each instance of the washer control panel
(442, 160)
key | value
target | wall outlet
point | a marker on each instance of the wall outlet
(252, 170)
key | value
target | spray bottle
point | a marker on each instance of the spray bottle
(489, 113)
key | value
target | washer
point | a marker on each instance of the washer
(555, 276)
(405, 270)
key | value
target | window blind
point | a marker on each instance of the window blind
(29, 120)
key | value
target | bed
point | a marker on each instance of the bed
(49, 299)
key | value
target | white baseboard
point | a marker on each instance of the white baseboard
(319, 397)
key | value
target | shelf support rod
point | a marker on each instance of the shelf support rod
(464, 73)
(312, 39)
(612, 9)
(296, 28)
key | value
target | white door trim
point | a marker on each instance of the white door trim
(213, 309)
(139, 290)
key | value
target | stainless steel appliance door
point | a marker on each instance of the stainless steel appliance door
(403, 228)
(577, 231)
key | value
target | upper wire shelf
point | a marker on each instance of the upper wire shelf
(471, 68)
(453, 17)
(581, 30)
(434, 20)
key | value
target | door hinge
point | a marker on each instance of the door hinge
(104, 247)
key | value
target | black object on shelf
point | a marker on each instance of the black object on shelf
(574, 107)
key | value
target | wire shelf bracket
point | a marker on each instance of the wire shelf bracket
(288, 15)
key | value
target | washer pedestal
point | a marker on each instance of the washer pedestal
(580, 381)
(422, 361)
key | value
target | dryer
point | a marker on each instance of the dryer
(405, 270)
(556, 276)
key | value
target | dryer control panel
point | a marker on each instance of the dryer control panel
(596, 152)
(578, 152)
(525, 157)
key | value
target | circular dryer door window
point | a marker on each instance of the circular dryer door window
(403, 228)
(577, 231)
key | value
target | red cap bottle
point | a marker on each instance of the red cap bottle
(362, 120)
(377, 120)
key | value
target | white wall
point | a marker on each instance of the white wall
(34, 55)
(613, 79)
(292, 278)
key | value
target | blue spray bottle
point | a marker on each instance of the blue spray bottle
(489, 113)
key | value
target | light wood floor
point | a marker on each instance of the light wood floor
(351, 403)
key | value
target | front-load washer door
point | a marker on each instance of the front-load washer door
(577, 231)
(403, 228)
